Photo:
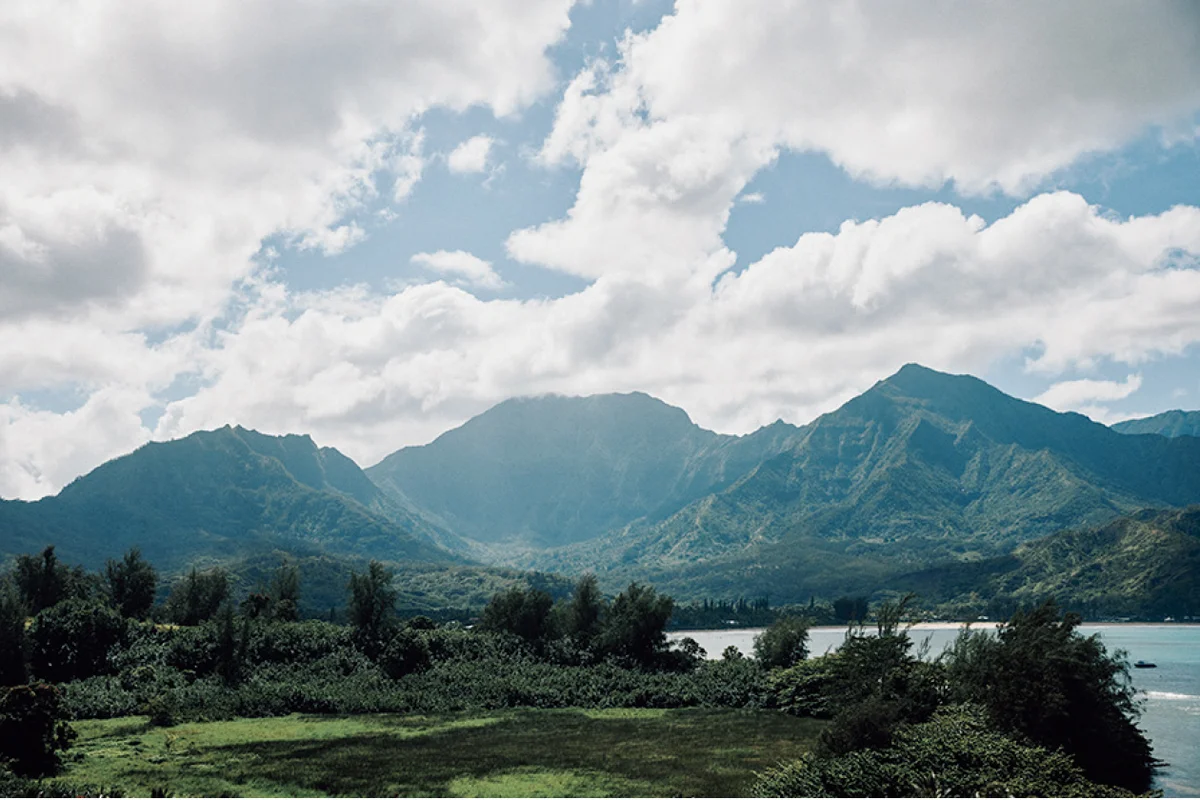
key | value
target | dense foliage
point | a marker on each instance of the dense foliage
(954, 754)
(1040, 679)
(784, 643)
(1034, 708)
(33, 729)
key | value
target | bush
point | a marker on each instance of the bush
(33, 729)
(955, 754)
(784, 643)
(805, 689)
(405, 654)
(73, 640)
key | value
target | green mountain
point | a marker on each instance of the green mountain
(920, 468)
(218, 495)
(1168, 423)
(536, 473)
(1143, 564)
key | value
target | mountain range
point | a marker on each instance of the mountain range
(923, 477)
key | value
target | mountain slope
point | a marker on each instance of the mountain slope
(924, 466)
(542, 472)
(1143, 564)
(1169, 423)
(216, 495)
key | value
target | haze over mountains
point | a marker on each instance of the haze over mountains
(923, 472)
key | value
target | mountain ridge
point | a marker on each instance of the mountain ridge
(1173, 423)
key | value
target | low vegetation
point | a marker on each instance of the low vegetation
(576, 694)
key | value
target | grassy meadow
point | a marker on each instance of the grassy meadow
(509, 753)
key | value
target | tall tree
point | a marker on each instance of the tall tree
(519, 611)
(1039, 677)
(12, 636)
(285, 593)
(585, 611)
(636, 627)
(131, 583)
(372, 607)
(43, 581)
(783, 643)
(198, 596)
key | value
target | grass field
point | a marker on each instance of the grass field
(524, 752)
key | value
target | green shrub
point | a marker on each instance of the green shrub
(406, 653)
(784, 643)
(955, 754)
(73, 640)
(33, 729)
(804, 689)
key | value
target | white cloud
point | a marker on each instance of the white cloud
(474, 271)
(792, 336)
(1078, 394)
(470, 156)
(989, 96)
(147, 151)
(753, 198)
(43, 451)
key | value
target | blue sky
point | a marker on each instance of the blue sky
(256, 214)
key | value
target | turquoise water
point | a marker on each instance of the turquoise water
(1171, 691)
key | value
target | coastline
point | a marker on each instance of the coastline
(946, 626)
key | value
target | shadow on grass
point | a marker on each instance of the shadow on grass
(696, 752)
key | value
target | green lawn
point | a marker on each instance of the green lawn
(524, 752)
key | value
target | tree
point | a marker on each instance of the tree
(12, 636)
(585, 611)
(198, 596)
(372, 607)
(43, 581)
(1040, 678)
(131, 583)
(784, 643)
(520, 611)
(285, 593)
(850, 609)
(635, 630)
(876, 684)
(73, 640)
(231, 644)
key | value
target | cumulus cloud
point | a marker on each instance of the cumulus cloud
(147, 151)
(1085, 393)
(791, 336)
(992, 97)
(470, 156)
(473, 271)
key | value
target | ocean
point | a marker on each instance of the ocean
(1171, 691)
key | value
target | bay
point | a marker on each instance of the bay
(1171, 691)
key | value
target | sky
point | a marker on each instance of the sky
(370, 221)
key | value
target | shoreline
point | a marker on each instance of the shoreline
(944, 626)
